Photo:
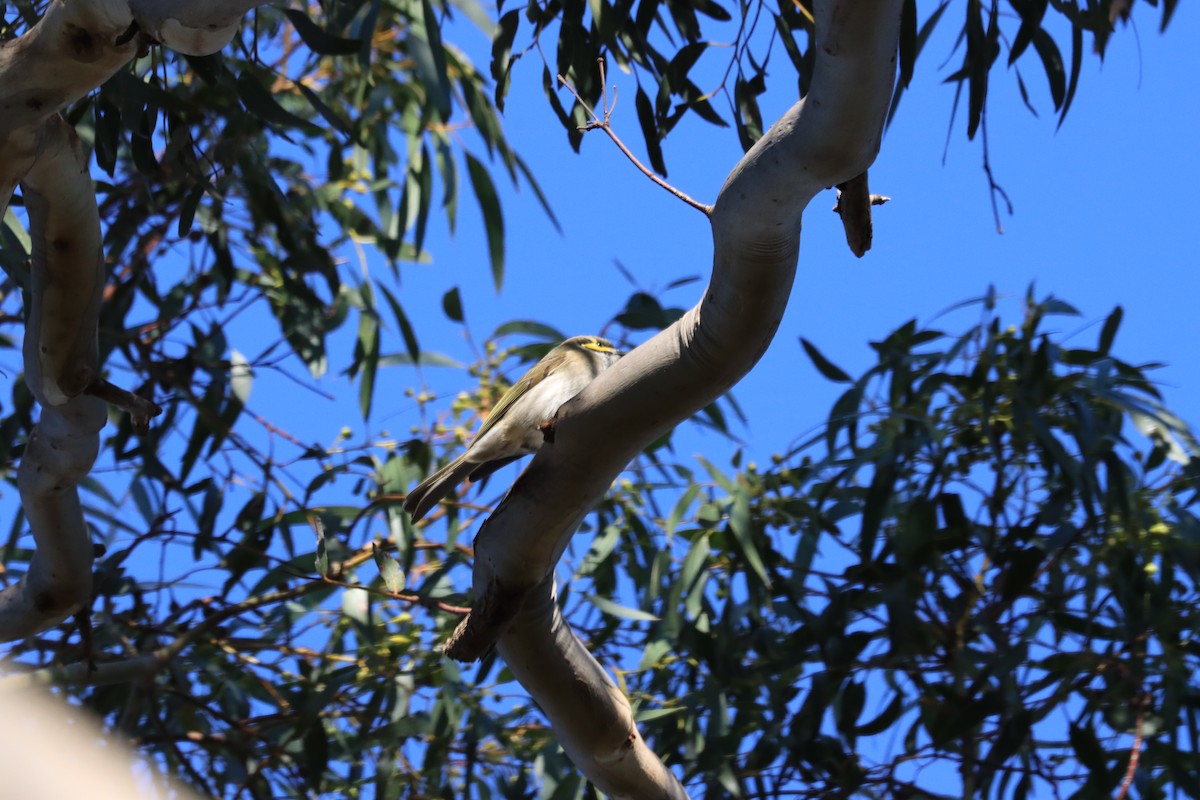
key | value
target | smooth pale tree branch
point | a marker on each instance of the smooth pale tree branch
(829, 137)
(77, 45)
(59, 454)
(51, 750)
(61, 347)
(547, 657)
(189, 27)
(17, 152)
(72, 50)
(61, 354)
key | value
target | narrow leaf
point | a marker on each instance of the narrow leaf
(389, 570)
(328, 114)
(321, 562)
(824, 366)
(367, 351)
(318, 39)
(262, 104)
(741, 526)
(1076, 63)
(506, 31)
(529, 328)
(1109, 331)
(645, 113)
(615, 609)
(406, 328)
(1052, 62)
(429, 58)
(452, 305)
(493, 217)
(874, 508)
(187, 209)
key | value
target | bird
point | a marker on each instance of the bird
(515, 428)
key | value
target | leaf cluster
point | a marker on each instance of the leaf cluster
(978, 579)
(713, 59)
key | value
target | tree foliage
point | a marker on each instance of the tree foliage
(980, 573)
(662, 43)
(977, 569)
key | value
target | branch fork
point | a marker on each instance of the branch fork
(602, 123)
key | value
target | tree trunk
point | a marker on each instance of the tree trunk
(831, 136)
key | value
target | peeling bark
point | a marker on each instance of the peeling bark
(829, 137)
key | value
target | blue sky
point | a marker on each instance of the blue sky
(1102, 216)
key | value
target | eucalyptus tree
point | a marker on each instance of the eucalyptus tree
(272, 623)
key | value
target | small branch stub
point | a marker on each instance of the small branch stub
(854, 207)
(140, 410)
(490, 616)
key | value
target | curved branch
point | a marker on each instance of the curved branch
(829, 137)
(61, 353)
(545, 656)
(60, 452)
(79, 44)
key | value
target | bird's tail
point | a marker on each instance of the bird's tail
(431, 490)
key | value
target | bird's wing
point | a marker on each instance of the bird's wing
(538, 372)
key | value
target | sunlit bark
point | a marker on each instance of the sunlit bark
(76, 46)
(829, 137)
(53, 750)
(826, 139)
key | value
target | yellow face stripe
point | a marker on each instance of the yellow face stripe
(599, 346)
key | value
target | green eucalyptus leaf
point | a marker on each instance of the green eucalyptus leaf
(318, 39)
(493, 216)
(617, 610)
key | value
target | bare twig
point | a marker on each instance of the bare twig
(994, 188)
(599, 123)
(147, 664)
(408, 597)
(1135, 751)
(141, 410)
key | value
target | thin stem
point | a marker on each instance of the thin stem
(1134, 752)
(599, 123)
